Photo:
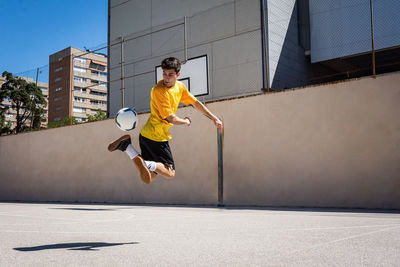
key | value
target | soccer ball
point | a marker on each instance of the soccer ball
(126, 119)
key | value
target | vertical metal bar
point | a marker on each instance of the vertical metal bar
(71, 89)
(372, 39)
(33, 113)
(220, 138)
(267, 89)
(122, 74)
(108, 58)
(185, 39)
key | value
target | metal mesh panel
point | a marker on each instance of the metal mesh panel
(325, 40)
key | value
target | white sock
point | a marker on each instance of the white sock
(151, 165)
(131, 151)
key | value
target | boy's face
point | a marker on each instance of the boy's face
(170, 77)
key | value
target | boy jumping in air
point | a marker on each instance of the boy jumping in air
(156, 157)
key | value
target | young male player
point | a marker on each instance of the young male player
(156, 157)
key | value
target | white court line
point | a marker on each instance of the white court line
(344, 239)
(65, 219)
(53, 232)
(339, 227)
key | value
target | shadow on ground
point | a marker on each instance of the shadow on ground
(74, 246)
(83, 209)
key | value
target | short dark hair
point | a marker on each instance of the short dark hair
(171, 63)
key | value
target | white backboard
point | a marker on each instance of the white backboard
(194, 74)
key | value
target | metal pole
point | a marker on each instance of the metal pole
(71, 89)
(33, 111)
(372, 40)
(122, 73)
(185, 39)
(220, 139)
(267, 89)
(37, 74)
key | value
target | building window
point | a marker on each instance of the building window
(58, 108)
(97, 66)
(58, 89)
(79, 89)
(79, 110)
(58, 69)
(98, 83)
(98, 102)
(58, 79)
(57, 99)
(80, 59)
(79, 79)
(82, 70)
(57, 119)
(80, 99)
(43, 88)
(97, 93)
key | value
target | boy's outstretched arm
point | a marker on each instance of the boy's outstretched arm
(204, 110)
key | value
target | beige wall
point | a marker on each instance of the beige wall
(333, 145)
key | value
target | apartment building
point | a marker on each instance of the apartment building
(11, 114)
(77, 84)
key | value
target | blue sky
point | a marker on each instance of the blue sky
(34, 29)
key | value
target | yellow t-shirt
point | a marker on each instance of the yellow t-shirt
(164, 102)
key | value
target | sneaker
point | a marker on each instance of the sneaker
(120, 144)
(144, 172)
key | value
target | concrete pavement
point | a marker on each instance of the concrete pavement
(127, 235)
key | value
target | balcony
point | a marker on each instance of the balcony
(81, 64)
(79, 115)
(98, 106)
(90, 96)
(98, 88)
(98, 67)
(82, 105)
(98, 77)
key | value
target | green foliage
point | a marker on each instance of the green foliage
(100, 115)
(65, 122)
(5, 126)
(26, 98)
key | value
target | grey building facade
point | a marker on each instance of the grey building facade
(250, 45)
(227, 32)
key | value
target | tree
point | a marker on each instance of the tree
(64, 122)
(100, 115)
(26, 98)
(5, 126)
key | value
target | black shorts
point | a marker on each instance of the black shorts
(156, 151)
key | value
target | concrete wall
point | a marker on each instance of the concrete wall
(227, 31)
(334, 145)
(73, 164)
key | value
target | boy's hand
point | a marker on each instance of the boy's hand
(188, 121)
(218, 124)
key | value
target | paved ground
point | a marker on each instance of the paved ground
(123, 235)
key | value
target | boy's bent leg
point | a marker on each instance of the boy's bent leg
(124, 144)
(165, 170)
(120, 144)
(143, 171)
(153, 175)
